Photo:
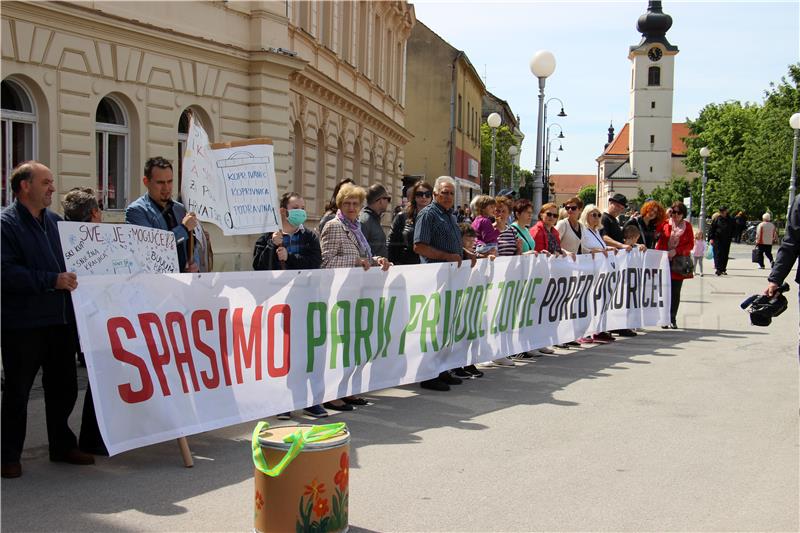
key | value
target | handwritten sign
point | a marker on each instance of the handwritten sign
(117, 249)
(230, 185)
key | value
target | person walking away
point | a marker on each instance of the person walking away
(37, 321)
(378, 201)
(437, 239)
(720, 235)
(293, 247)
(400, 242)
(677, 239)
(699, 251)
(766, 236)
(740, 224)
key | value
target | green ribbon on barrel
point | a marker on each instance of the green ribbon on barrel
(298, 441)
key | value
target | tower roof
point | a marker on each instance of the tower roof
(653, 26)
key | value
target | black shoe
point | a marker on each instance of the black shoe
(73, 457)
(315, 411)
(343, 407)
(11, 470)
(665, 327)
(99, 449)
(473, 372)
(626, 333)
(355, 400)
(573, 343)
(673, 325)
(435, 384)
(448, 378)
(717, 273)
(461, 373)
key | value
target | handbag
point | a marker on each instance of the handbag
(757, 255)
(682, 265)
(710, 252)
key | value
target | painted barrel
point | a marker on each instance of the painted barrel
(311, 494)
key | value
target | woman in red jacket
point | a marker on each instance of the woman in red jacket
(544, 233)
(677, 239)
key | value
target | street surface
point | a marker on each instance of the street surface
(687, 430)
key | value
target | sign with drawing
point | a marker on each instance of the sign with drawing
(231, 185)
(122, 249)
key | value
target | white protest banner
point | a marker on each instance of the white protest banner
(231, 185)
(122, 249)
(173, 355)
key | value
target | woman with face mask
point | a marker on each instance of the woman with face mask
(293, 247)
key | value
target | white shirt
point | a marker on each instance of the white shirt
(570, 242)
(591, 238)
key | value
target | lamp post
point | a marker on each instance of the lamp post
(544, 120)
(542, 64)
(513, 151)
(794, 122)
(493, 121)
(704, 153)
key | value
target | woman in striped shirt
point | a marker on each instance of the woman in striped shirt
(508, 243)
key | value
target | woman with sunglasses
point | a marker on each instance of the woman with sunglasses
(401, 237)
(677, 238)
(570, 229)
(592, 242)
(547, 240)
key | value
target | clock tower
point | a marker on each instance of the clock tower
(652, 84)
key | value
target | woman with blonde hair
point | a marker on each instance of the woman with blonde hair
(766, 236)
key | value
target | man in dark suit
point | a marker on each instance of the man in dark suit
(720, 235)
(157, 209)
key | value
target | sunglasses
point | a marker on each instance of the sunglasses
(423, 194)
(571, 207)
(552, 215)
(595, 215)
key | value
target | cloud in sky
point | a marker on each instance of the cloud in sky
(728, 50)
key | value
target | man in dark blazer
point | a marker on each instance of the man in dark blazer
(157, 209)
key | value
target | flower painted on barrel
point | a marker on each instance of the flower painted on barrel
(321, 507)
(343, 475)
(315, 490)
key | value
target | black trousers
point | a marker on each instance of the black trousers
(722, 248)
(675, 299)
(53, 350)
(766, 250)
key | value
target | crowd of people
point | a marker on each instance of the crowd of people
(38, 322)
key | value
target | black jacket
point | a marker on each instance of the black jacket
(401, 241)
(31, 257)
(373, 231)
(722, 228)
(265, 255)
(789, 249)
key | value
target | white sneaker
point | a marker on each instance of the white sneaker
(504, 361)
(546, 350)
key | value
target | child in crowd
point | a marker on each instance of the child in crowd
(485, 232)
(468, 252)
(631, 235)
(699, 251)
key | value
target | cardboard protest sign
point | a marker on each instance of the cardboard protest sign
(236, 346)
(231, 185)
(117, 249)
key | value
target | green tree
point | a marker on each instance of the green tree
(751, 147)
(588, 194)
(502, 165)
(675, 189)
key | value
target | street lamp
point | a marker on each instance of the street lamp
(513, 151)
(704, 153)
(542, 64)
(794, 122)
(493, 121)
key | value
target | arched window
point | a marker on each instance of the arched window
(297, 183)
(654, 76)
(322, 169)
(18, 117)
(111, 134)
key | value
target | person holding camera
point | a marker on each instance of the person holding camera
(787, 253)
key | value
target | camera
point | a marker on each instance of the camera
(763, 308)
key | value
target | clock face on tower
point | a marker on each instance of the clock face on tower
(654, 54)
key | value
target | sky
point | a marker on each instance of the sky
(728, 50)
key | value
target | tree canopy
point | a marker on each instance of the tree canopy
(588, 194)
(751, 151)
(502, 165)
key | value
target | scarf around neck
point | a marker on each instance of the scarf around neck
(355, 228)
(675, 234)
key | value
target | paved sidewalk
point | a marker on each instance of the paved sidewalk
(687, 430)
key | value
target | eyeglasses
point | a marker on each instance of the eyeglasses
(552, 215)
(571, 207)
(595, 215)
(423, 194)
(674, 214)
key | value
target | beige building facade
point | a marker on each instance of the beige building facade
(93, 89)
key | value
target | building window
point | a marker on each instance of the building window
(19, 131)
(652, 105)
(362, 37)
(398, 64)
(111, 135)
(298, 149)
(376, 52)
(322, 171)
(654, 76)
(469, 120)
(347, 31)
(652, 139)
(458, 113)
(388, 64)
(326, 25)
(303, 15)
(357, 162)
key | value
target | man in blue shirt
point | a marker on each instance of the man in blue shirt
(156, 209)
(38, 323)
